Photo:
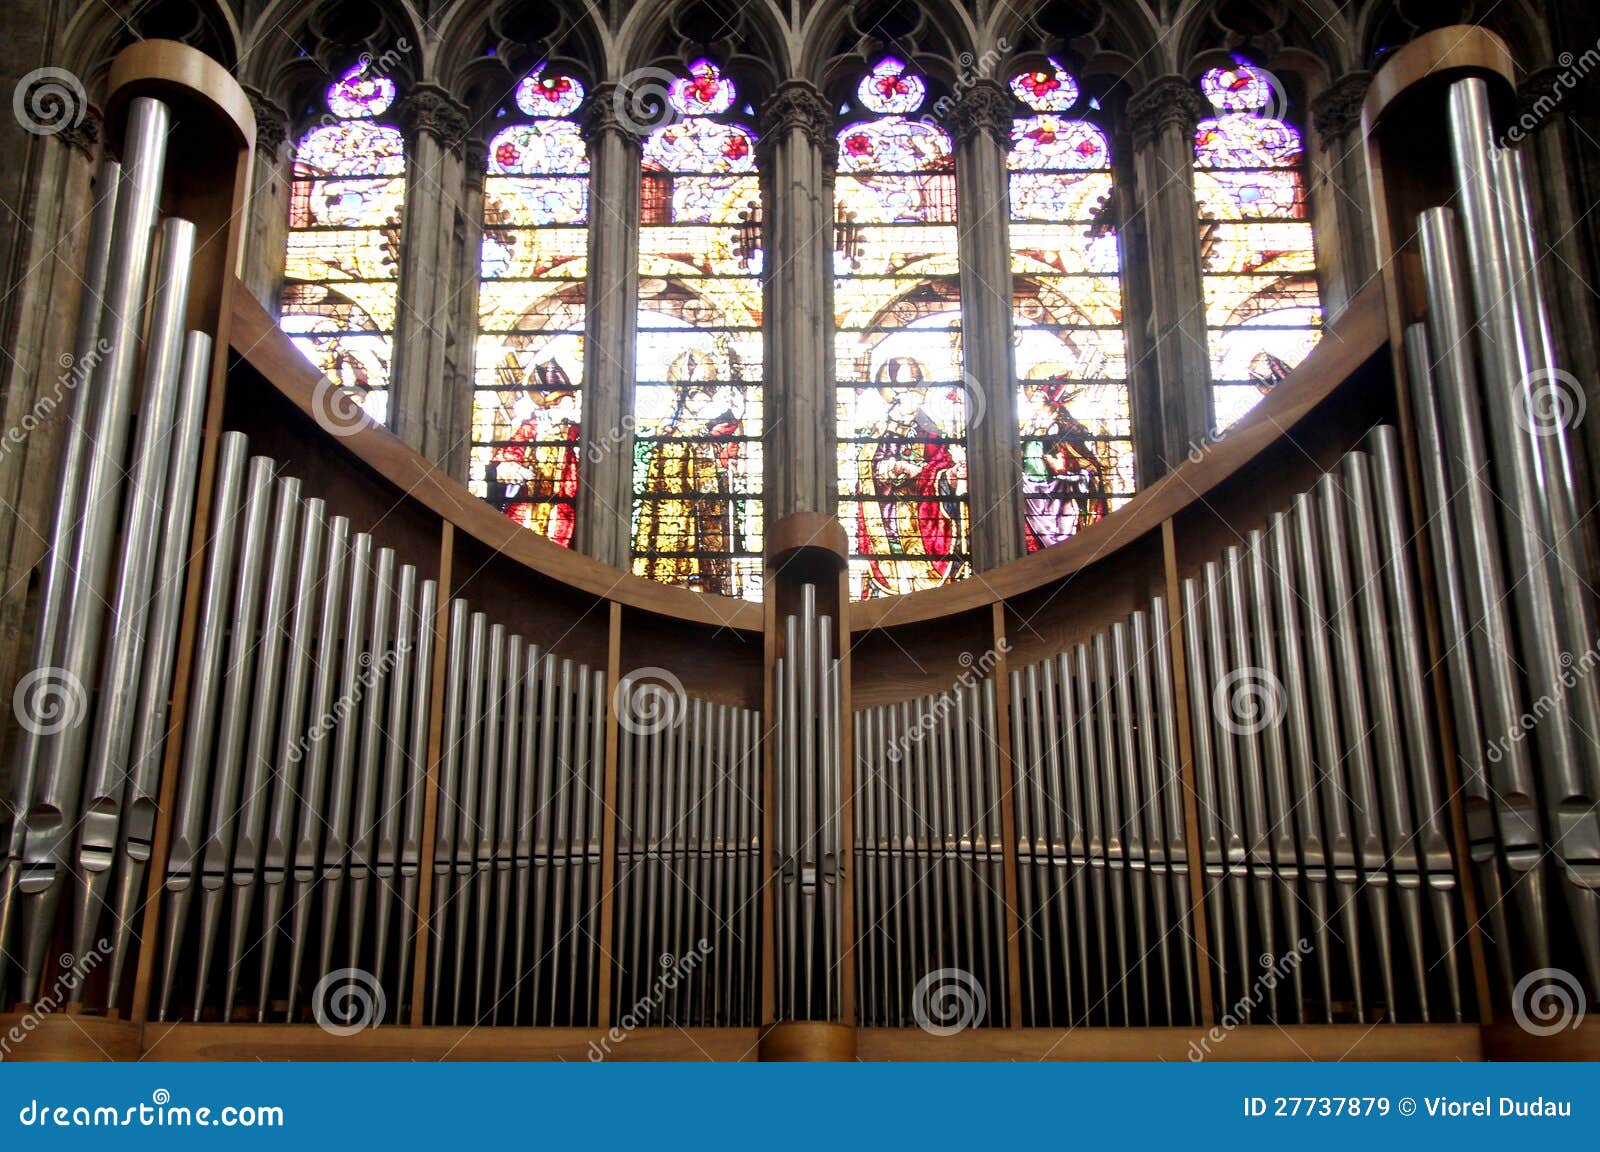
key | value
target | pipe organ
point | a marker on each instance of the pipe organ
(342, 763)
(929, 871)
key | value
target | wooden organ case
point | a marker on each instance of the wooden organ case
(1242, 762)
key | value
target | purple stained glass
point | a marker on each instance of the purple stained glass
(1050, 89)
(894, 144)
(1241, 88)
(704, 92)
(541, 95)
(700, 146)
(890, 90)
(1240, 140)
(1051, 143)
(548, 147)
(357, 94)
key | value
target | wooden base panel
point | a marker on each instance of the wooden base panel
(804, 1041)
(66, 1036)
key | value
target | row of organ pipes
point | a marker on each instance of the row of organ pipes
(1313, 819)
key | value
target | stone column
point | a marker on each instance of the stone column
(37, 372)
(271, 184)
(981, 124)
(428, 344)
(456, 409)
(798, 155)
(605, 473)
(1163, 116)
(1340, 208)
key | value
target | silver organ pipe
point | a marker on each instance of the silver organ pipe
(1532, 474)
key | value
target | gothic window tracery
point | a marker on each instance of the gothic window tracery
(1263, 310)
(342, 269)
(901, 399)
(1073, 401)
(532, 306)
(697, 395)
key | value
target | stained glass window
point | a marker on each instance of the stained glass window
(1263, 312)
(697, 407)
(901, 404)
(1072, 364)
(531, 303)
(341, 275)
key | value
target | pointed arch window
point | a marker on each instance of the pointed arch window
(697, 399)
(901, 404)
(532, 295)
(1263, 310)
(1073, 401)
(345, 207)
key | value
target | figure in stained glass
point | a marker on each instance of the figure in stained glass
(1263, 312)
(1074, 408)
(900, 396)
(342, 266)
(697, 515)
(527, 396)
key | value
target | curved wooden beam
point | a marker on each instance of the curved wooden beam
(1359, 334)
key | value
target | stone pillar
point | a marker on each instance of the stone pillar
(456, 410)
(981, 124)
(271, 184)
(798, 155)
(428, 345)
(605, 473)
(1340, 210)
(1163, 116)
(38, 372)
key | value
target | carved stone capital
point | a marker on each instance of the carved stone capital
(985, 107)
(84, 136)
(1167, 102)
(1540, 97)
(272, 123)
(431, 109)
(798, 106)
(1337, 109)
(476, 151)
(607, 110)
